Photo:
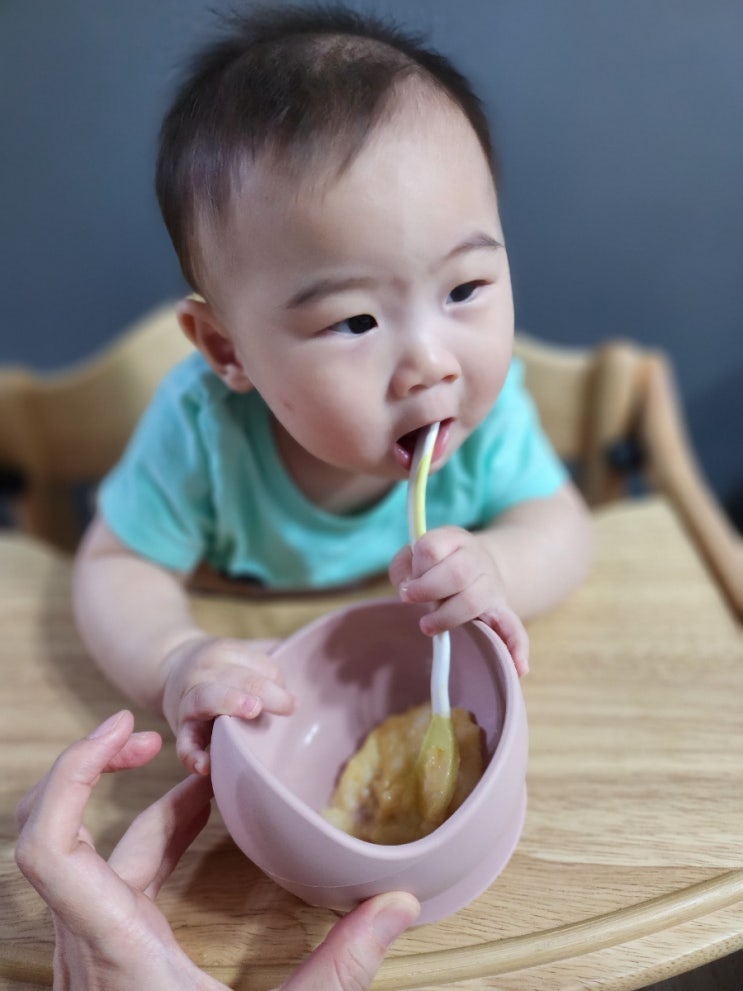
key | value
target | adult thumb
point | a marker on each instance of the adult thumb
(350, 955)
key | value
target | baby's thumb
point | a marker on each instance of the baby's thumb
(350, 955)
(401, 566)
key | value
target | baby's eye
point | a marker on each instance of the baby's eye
(460, 294)
(360, 324)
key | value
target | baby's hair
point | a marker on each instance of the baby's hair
(303, 86)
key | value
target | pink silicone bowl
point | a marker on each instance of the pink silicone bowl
(349, 670)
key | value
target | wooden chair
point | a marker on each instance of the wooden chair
(614, 412)
(611, 412)
(62, 432)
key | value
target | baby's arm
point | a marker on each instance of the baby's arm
(135, 620)
(525, 563)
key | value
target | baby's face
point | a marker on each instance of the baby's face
(367, 308)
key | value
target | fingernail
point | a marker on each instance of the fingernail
(396, 911)
(107, 726)
(250, 707)
(404, 592)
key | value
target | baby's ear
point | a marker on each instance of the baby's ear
(206, 333)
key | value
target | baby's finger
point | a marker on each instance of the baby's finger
(513, 633)
(436, 546)
(231, 655)
(191, 743)
(458, 574)
(148, 852)
(450, 613)
(251, 695)
(207, 700)
(400, 568)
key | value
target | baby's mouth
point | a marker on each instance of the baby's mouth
(405, 445)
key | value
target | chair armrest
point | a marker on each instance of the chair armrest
(673, 469)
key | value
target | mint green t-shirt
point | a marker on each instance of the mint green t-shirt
(202, 480)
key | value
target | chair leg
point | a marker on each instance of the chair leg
(613, 404)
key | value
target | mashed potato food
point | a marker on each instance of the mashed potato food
(376, 798)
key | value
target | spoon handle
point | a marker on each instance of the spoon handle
(440, 676)
(422, 457)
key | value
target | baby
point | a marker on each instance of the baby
(329, 189)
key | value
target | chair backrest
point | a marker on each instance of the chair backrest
(611, 412)
(65, 430)
(614, 411)
(588, 401)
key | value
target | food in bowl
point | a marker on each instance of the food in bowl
(376, 798)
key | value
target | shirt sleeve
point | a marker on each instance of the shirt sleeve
(521, 462)
(157, 499)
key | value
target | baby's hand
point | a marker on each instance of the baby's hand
(207, 677)
(454, 571)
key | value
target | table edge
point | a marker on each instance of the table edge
(496, 957)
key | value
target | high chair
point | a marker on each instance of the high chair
(611, 412)
(61, 432)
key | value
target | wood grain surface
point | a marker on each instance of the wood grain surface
(630, 867)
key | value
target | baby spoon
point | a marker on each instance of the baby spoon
(438, 760)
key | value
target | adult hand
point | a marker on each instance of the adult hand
(110, 936)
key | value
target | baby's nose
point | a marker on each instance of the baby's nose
(425, 361)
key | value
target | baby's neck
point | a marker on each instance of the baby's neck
(331, 489)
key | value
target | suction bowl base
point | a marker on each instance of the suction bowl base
(472, 885)
(433, 909)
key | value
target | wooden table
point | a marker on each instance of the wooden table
(630, 868)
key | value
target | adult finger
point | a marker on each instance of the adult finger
(149, 850)
(136, 751)
(351, 953)
(51, 816)
(55, 805)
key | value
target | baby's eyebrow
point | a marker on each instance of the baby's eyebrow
(321, 288)
(474, 243)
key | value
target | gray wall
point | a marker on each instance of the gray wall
(619, 129)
